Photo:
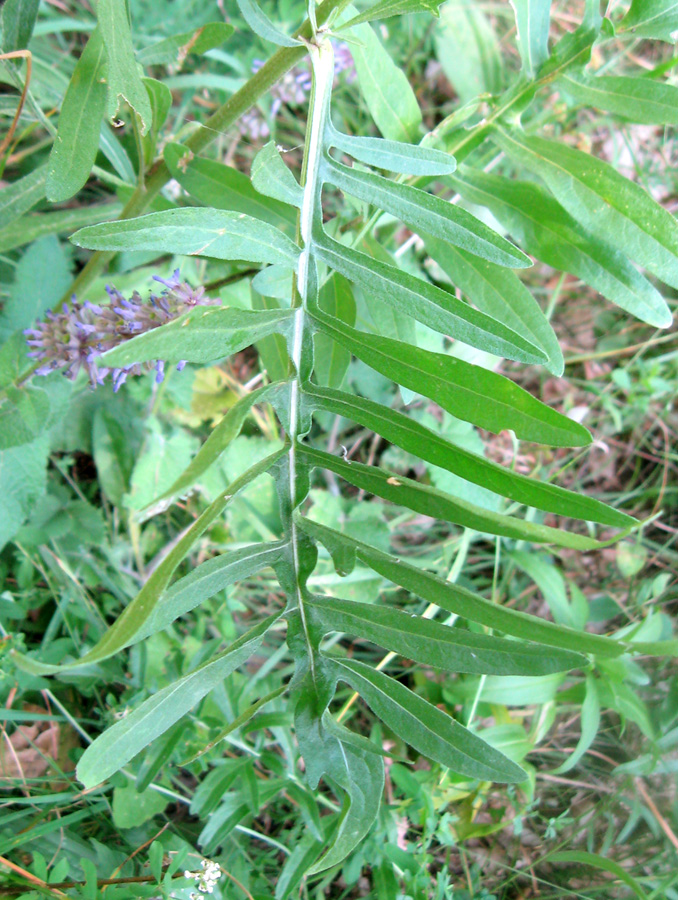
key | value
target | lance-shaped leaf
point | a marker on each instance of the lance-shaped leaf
(438, 505)
(469, 392)
(224, 187)
(533, 18)
(221, 234)
(408, 159)
(122, 72)
(605, 202)
(553, 236)
(201, 335)
(422, 211)
(657, 19)
(270, 176)
(426, 728)
(433, 644)
(462, 602)
(332, 358)
(262, 25)
(77, 140)
(129, 736)
(20, 196)
(430, 305)
(641, 100)
(61, 221)
(133, 619)
(174, 50)
(17, 20)
(387, 8)
(499, 294)
(415, 438)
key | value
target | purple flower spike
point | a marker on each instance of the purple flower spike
(160, 369)
(181, 364)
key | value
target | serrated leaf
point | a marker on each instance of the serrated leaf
(224, 187)
(553, 236)
(641, 100)
(122, 74)
(602, 200)
(174, 50)
(422, 211)
(426, 728)
(657, 19)
(434, 503)
(433, 644)
(262, 25)
(192, 231)
(533, 18)
(387, 8)
(271, 177)
(394, 156)
(331, 358)
(408, 434)
(127, 737)
(469, 392)
(77, 140)
(20, 196)
(499, 294)
(426, 303)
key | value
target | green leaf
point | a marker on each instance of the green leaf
(434, 503)
(641, 100)
(469, 392)
(533, 18)
(215, 184)
(464, 603)
(272, 350)
(656, 19)
(590, 722)
(467, 50)
(549, 233)
(122, 73)
(387, 8)
(422, 211)
(386, 90)
(408, 159)
(262, 25)
(331, 358)
(161, 102)
(17, 20)
(77, 141)
(23, 415)
(64, 220)
(221, 234)
(129, 736)
(201, 335)
(499, 294)
(133, 619)
(174, 50)
(111, 455)
(602, 200)
(433, 644)
(22, 482)
(20, 196)
(270, 176)
(408, 434)
(132, 808)
(426, 728)
(600, 862)
(430, 305)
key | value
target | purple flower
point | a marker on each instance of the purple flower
(75, 338)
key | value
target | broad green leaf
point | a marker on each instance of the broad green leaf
(641, 100)
(115, 153)
(164, 454)
(499, 294)
(23, 415)
(386, 90)
(224, 187)
(408, 434)
(422, 211)
(387, 8)
(657, 19)
(533, 18)
(174, 50)
(433, 644)
(272, 350)
(430, 305)
(462, 602)
(273, 282)
(129, 736)
(469, 392)
(434, 503)
(304, 852)
(428, 729)
(20, 196)
(602, 200)
(387, 320)
(601, 862)
(408, 159)
(590, 722)
(546, 231)
(60, 222)
(161, 102)
(133, 619)
(467, 50)
(331, 358)
(17, 20)
(77, 141)
(122, 74)
(201, 335)
(271, 177)
(262, 25)
(22, 482)
(193, 231)
(111, 455)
